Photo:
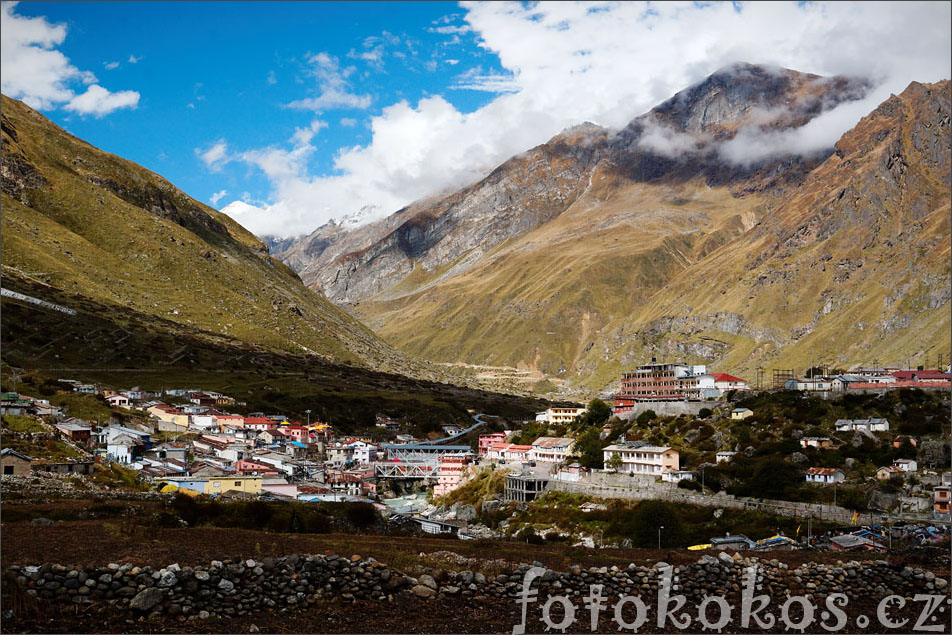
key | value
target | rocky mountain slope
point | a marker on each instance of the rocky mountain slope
(82, 222)
(674, 237)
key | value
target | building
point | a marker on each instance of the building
(662, 382)
(551, 449)
(246, 484)
(510, 452)
(724, 457)
(942, 500)
(15, 463)
(76, 429)
(850, 542)
(118, 401)
(125, 448)
(64, 467)
(923, 376)
(558, 416)
(737, 542)
(906, 465)
(168, 414)
(524, 488)
(638, 457)
(487, 440)
(676, 476)
(820, 443)
(825, 475)
(724, 382)
(739, 414)
(868, 425)
(452, 470)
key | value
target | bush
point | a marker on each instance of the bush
(704, 413)
(646, 417)
(361, 514)
(694, 486)
(528, 534)
(642, 525)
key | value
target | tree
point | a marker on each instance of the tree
(646, 417)
(598, 412)
(614, 463)
(643, 524)
(588, 449)
(704, 413)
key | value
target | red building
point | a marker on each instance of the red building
(486, 441)
(658, 382)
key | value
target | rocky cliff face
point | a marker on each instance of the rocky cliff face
(598, 250)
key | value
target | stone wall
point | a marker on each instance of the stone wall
(670, 408)
(236, 587)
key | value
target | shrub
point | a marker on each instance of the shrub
(704, 413)
(646, 417)
(361, 514)
(694, 486)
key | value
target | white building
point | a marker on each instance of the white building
(551, 449)
(825, 475)
(724, 457)
(676, 476)
(906, 465)
(639, 458)
(739, 414)
(725, 382)
(364, 453)
(555, 416)
(869, 425)
(118, 401)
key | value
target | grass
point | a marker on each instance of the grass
(16, 423)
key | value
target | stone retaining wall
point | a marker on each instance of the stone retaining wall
(236, 587)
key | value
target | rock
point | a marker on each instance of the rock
(226, 585)
(201, 575)
(849, 463)
(466, 513)
(725, 558)
(799, 458)
(451, 590)
(41, 522)
(254, 629)
(428, 581)
(167, 579)
(489, 506)
(146, 599)
(423, 591)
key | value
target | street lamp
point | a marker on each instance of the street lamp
(659, 536)
(308, 411)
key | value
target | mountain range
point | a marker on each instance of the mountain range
(713, 229)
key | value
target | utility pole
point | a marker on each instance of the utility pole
(659, 536)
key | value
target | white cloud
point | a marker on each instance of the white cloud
(333, 86)
(98, 101)
(32, 69)
(111, 66)
(272, 79)
(564, 63)
(215, 156)
(217, 196)
(348, 122)
(134, 60)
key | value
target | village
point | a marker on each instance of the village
(186, 441)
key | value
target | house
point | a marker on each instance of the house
(724, 457)
(229, 420)
(340, 453)
(821, 443)
(898, 441)
(509, 452)
(868, 425)
(887, 471)
(556, 416)
(64, 467)
(125, 448)
(825, 475)
(724, 382)
(118, 401)
(906, 465)
(165, 451)
(814, 384)
(194, 484)
(676, 476)
(487, 440)
(12, 403)
(250, 466)
(738, 542)
(76, 430)
(552, 449)
(168, 414)
(260, 423)
(638, 457)
(279, 487)
(15, 463)
(739, 414)
(364, 453)
(451, 429)
(850, 542)
(246, 484)
(942, 500)
(110, 432)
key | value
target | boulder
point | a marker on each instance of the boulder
(146, 599)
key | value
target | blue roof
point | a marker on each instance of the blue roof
(298, 444)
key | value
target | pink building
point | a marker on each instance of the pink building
(487, 440)
(245, 466)
(452, 469)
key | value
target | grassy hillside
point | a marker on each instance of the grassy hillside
(99, 227)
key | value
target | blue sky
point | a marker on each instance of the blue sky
(287, 115)
(209, 70)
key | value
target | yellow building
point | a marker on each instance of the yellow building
(246, 484)
(169, 414)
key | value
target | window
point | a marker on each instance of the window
(238, 483)
(8, 469)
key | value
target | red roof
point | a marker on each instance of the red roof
(921, 374)
(250, 421)
(726, 377)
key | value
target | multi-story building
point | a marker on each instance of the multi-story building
(486, 441)
(637, 457)
(557, 416)
(452, 469)
(551, 449)
(663, 382)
